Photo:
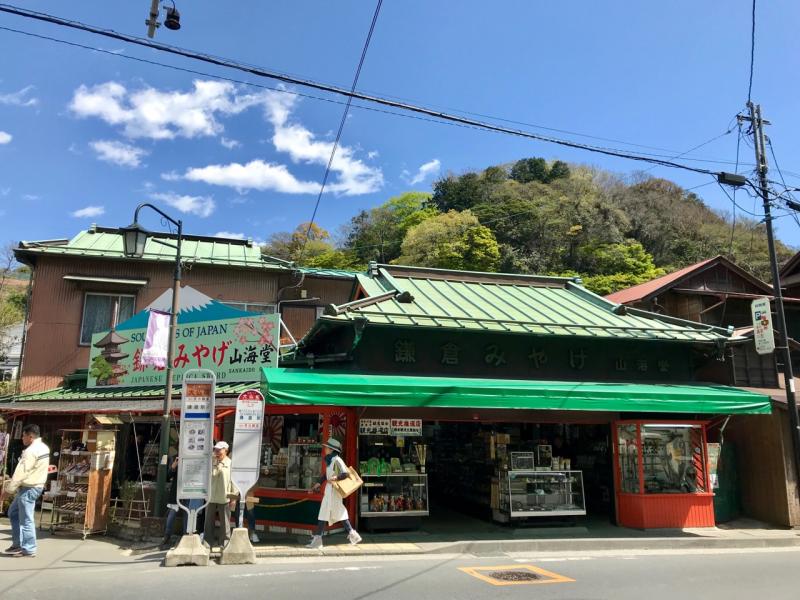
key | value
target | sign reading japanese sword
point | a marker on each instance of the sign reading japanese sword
(246, 451)
(196, 440)
(763, 334)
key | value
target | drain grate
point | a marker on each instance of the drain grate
(514, 576)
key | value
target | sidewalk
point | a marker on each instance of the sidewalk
(65, 551)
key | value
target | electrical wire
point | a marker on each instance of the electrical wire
(260, 72)
(736, 170)
(692, 149)
(783, 181)
(752, 52)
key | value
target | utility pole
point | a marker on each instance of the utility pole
(761, 164)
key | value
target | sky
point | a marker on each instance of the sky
(85, 136)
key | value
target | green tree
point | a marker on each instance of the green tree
(377, 234)
(300, 245)
(530, 169)
(453, 240)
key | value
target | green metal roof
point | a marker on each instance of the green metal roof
(103, 242)
(320, 387)
(79, 392)
(550, 306)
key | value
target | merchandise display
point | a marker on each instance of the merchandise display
(81, 494)
(539, 493)
(291, 455)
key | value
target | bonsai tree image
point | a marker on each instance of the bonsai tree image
(101, 370)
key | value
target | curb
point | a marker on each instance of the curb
(538, 545)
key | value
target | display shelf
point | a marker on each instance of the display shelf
(81, 499)
(542, 494)
(398, 495)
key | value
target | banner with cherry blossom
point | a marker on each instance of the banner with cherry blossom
(235, 344)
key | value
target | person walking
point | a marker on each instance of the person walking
(332, 509)
(221, 500)
(28, 482)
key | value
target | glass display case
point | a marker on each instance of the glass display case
(673, 459)
(303, 466)
(394, 495)
(542, 493)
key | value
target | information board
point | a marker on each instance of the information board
(762, 326)
(246, 451)
(196, 435)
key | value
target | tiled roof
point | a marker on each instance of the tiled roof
(655, 286)
(102, 242)
(71, 394)
(552, 306)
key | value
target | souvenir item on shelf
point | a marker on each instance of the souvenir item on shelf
(421, 451)
(395, 465)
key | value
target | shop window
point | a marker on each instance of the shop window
(103, 311)
(628, 453)
(255, 307)
(673, 459)
(291, 452)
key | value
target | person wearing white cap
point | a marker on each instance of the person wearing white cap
(332, 509)
(221, 499)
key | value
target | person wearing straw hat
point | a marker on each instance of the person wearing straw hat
(332, 509)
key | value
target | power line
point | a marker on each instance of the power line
(752, 52)
(341, 126)
(733, 221)
(260, 72)
(692, 149)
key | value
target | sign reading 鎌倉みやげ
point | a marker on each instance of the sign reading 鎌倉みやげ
(232, 343)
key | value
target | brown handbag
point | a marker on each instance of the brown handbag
(346, 487)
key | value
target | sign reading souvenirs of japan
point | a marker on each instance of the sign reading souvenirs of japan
(232, 343)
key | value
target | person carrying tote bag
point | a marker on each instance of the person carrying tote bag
(332, 509)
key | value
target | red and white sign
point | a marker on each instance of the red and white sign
(406, 427)
(246, 450)
(762, 326)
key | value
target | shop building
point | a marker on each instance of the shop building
(757, 474)
(85, 285)
(503, 396)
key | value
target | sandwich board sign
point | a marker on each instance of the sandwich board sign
(246, 451)
(762, 325)
(196, 440)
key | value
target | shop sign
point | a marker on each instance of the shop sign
(196, 435)
(392, 427)
(713, 450)
(406, 427)
(762, 326)
(375, 427)
(246, 451)
(234, 344)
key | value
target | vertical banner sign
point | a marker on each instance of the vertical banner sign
(762, 326)
(246, 451)
(196, 438)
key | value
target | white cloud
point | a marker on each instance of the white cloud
(373, 155)
(229, 144)
(151, 113)
(355, 177)
(202, 206)
(5, 191)
(256, 174)
(30, 197)
(20, 98)
(5, 137)
(430, 168)
(230, 235)
(89, 211)
(118, 153)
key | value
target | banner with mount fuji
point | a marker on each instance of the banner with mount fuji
(235, 344)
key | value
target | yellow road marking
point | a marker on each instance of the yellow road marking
(551, 577)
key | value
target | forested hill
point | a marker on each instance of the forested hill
(537, 217)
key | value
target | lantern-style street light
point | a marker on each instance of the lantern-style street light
(134, 239)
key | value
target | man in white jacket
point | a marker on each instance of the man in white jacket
(28, 482)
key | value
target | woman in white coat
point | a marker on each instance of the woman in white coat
(332, 509)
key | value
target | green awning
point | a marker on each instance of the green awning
(319, 387)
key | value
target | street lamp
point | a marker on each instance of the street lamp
(134, 238)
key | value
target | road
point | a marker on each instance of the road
(706, 575)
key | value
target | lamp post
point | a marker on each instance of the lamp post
(134, 238)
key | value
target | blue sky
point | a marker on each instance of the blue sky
(85, 136)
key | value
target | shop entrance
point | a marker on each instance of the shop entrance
(499, 472)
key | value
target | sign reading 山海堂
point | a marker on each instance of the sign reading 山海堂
(232, 343)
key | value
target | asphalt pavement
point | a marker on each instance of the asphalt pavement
(707, 574)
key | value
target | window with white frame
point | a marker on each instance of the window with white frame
(255, 307)
(103, 311)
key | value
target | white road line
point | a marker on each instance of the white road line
(302, 572)
(553, 559)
